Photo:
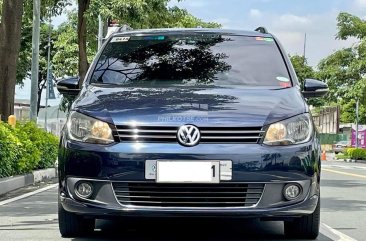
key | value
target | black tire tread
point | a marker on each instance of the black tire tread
(72, 225)
(306, 227)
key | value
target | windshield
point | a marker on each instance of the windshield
(192, 59)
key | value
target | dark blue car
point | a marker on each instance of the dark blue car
(190, 123)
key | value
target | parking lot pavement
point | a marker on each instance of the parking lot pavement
(35, 218)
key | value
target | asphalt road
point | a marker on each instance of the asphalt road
(343, 208)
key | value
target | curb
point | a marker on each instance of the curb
(9, 184)
(354, 161)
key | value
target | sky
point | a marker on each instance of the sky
(289, 20)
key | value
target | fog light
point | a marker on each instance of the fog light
(84, 189)
(291, 191)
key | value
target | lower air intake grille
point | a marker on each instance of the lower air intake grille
(188, 195)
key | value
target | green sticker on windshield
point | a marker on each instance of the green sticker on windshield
(267, 39)
(154, 38)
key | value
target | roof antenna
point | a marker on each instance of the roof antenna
(262, 30)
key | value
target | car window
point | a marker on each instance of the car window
(192, 59)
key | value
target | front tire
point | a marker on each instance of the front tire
(72, 225)
(306, 227)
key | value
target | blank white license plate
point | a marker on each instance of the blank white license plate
(188, 172)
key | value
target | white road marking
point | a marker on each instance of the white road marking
(28, 194)
(334, 234)
(346, 167)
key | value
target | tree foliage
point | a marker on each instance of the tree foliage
(302, 69)
(344, 70)
(350, 26)
(15, 44)
(305, 71)
(25, 55)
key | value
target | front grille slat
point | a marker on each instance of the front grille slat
(231, 132)
(231, 137)
(149, 202)
(154, 192)
(188, 195)
(249, 135)
(146, 136)
(138, 131)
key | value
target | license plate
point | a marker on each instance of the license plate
(226, 166)
(188, 172)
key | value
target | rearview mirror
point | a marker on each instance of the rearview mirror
(314, 88)
(69, 86)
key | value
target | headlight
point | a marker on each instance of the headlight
(87, 129)
(295, 130)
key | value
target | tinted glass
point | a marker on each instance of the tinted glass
(193, 59)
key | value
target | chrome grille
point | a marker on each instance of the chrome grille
(188, 195)
(208, 134)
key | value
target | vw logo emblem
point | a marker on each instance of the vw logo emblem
(188, 135)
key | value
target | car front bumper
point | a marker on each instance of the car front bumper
(274, 167)
(304, 207)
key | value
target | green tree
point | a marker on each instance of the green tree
(302, 69)
(15, 45)
(345, 69)
(305, 71)
(25, 56)
(83, 6)
(336, 70)
(67, 48)
(348, 111)
(350, 26)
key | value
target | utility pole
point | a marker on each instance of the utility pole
(357, 106)
(48, 81)
(35, 59)
(304, 53)
(100, 32)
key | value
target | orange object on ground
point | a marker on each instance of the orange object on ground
(12, 120)
(324, 156)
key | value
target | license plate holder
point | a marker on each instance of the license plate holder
(224, 170)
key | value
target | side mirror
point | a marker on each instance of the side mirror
(69, 86)
(314, 88)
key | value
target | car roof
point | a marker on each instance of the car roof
(183, 31)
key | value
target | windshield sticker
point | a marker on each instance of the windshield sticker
(284, 82)
(120, 39)
(264, 39)
(154, 38)
(283, 79)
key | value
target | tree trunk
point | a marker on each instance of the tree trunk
(10, 29)
(82, 31)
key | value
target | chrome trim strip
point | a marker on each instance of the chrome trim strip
(229, 137)
(137, 136)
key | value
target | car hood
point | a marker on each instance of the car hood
(202, 106)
